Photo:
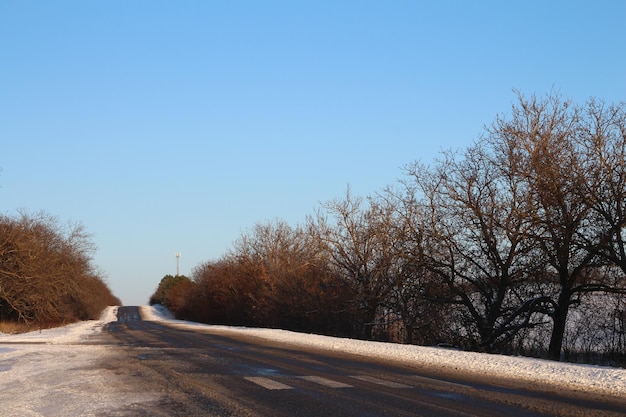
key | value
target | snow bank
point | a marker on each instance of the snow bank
(66, 335)
(590, 378)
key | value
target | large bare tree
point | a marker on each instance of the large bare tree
(551, 140)
(475, 242)
(602, 142)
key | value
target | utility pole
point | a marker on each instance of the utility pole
(177, 263)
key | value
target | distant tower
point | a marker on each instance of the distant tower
(177, 263)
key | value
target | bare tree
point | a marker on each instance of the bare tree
(360, 249)
(602, 142)
(423, 321)
(475, 231)
(547, 137)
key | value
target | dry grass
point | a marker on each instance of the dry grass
(11, 327)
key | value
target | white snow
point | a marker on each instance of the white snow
(67, 335)
(52, 372)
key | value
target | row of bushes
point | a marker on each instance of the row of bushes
(227, 292)
(47, 277)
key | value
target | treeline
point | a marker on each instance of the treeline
(514, 245)
(46, 274)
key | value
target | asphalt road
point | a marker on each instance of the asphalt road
(205, 373)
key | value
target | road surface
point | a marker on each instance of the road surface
(205, 373)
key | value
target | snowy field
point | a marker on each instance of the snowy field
(53, 373)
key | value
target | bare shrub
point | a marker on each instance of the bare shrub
(46, 274)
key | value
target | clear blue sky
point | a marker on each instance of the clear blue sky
(167, 126)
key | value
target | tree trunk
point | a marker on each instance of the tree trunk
(558, 329)
(368, 322)
(408, 327)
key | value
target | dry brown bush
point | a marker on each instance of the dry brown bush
(46, 272)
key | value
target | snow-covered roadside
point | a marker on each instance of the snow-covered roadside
(66, 335)
(588, 378)
(50, 373)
